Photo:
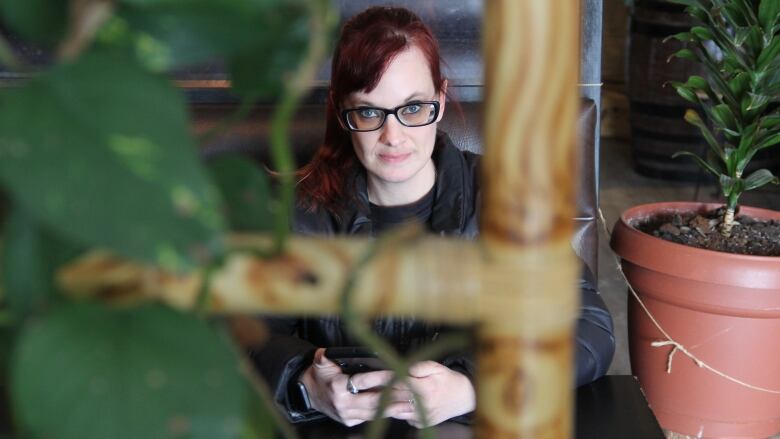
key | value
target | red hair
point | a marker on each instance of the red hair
(368, 43)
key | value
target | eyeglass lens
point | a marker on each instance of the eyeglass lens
(367, 119)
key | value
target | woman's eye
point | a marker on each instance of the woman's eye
(411, 109)
(368, 113)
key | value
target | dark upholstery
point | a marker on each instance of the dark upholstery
(457, 26)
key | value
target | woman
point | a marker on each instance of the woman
(383, 162)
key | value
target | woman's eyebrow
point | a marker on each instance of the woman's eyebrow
(415, 95)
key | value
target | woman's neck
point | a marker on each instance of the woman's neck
(387, 193)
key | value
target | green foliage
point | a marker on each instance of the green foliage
(31, 255)
(245, 190)
(43, 21)
(91, 148)
(87, 371)
(246, 34)
(96, 151)
(738, 42)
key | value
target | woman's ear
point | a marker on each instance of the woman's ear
(442, 100)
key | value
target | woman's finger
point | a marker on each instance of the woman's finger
(401, 395)
(426, 368)
(345, 401)
(404, 410)
(372, 380)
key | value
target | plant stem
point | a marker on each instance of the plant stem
(363, 333)
(87, 17)
(447, 343)
(728, 216)
(323, 18)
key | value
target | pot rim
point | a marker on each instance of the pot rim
(734, 269)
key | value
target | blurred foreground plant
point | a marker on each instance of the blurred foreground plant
(96, 151)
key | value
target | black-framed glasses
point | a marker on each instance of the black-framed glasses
(413, 114)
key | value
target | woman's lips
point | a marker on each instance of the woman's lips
(394, 158)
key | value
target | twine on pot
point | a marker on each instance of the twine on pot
(669, 341)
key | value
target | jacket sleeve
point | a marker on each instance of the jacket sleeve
(595, 338)
(281, 360)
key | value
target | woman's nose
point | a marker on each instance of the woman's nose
(392, 131)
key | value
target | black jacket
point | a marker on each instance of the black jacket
(455, 212)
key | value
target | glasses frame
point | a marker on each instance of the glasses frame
(387, 112)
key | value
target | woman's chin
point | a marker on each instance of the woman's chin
(397, 176)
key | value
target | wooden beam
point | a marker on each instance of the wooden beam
(524, 380)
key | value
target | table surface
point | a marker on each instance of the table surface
(610, 407)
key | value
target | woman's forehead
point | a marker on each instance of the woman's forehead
(407, 77)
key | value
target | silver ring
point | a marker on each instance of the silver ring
(411, 403)
(351, 387)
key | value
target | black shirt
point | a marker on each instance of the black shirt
(387, 217)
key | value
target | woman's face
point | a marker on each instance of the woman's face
(396, 153)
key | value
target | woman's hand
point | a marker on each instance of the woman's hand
(444, 393)
(327, 387)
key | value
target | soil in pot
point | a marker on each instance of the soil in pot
(749, 236)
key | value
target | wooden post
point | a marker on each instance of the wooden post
(525, 360)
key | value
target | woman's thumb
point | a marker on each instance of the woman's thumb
(322, 362)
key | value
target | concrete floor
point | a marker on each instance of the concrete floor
(621, 188)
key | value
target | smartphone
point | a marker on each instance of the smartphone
(354, 360)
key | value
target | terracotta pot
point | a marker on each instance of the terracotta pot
(724, 308)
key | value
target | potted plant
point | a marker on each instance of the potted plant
(706, 315)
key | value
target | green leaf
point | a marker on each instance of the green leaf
(723, 116)
(698, 82)
(755, 41)
(693, 118)
(747, 137)
(686, 92)
(682, 36)
(769, 141)
(43, 21)
(735, 16)
(740, 35)
(685, 54)
(702, 33)
(30, 257)
(744, 161)
(753, 105)
(760, 178)
(176, 33)
(259, 423)
(771, 120)
(704, 165)
(768, 14)
(769, 53)
(699, 14)
(286, 37)
(100, 152)
(87, 371)
(246, 193)
(731, 186)
(740, 84)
